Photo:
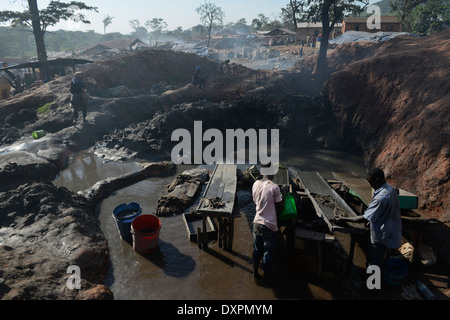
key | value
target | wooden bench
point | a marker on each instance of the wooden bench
(218, 202)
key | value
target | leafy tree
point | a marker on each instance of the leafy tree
(263, 23)
(241, 26)
(211, 16)
(16, 42)
(139, 30)
(289, 15)
(329, 12)
(106, 22)
(403, 10)
(431, 17)
(157, 25)
(40, 20)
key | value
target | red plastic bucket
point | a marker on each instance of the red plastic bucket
(145, 230)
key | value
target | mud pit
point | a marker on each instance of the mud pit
(180, 270)
(129, 119)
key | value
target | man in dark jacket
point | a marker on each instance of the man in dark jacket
(77, 100)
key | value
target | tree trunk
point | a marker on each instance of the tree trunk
(209, 34)
(294, 9)
(38, 36)
(321, 64)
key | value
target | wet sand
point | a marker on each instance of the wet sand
(179, 270)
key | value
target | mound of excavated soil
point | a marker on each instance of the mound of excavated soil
(147, 68)
(395, 100)
(43, 231)
(302, 121)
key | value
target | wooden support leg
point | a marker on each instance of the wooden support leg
(220, 235)
(319, 252)
(230, 234)
(205, 234)
(351, 253)
(225, 233)
(199, 237)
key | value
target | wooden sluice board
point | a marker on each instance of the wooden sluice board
(221, 190)
(316, 186)
(325, 200)
(281, 177)
(222, 185)
(358, 186)
(361, 189)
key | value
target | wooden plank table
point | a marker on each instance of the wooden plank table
(319, 238)
(219, 201)
(328, 204)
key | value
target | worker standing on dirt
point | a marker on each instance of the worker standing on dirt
(224, 68)
(384, 217)
(78, 101)
(269, 202)
(197, 79)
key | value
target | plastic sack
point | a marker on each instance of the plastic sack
(290, 209)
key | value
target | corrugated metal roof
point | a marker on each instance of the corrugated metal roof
(57, 62)
(280, 30)
(384, 19)
(304, 25)
(121, 44)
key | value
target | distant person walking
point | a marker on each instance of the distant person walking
(384, 217)
(197, 79)
(224, 68)
(78, 100)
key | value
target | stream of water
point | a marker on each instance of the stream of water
(179, 270)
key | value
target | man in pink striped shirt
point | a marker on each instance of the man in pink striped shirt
(269, 202)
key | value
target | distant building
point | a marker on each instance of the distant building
(388, 24)
(279, 36)
(313, 29)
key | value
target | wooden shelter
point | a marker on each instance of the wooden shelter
(56, 66)
(279, 34)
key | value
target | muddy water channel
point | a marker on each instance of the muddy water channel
(179, 270)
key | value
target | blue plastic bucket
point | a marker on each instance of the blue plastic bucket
(396, 270)
(124, 215)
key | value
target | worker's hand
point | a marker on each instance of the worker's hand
(338, 219)
(284, 189)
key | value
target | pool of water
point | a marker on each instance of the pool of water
(179, 270)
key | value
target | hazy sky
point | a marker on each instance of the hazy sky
(175, 13)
